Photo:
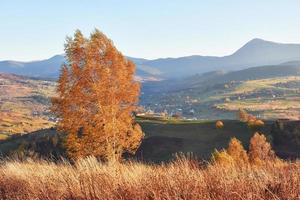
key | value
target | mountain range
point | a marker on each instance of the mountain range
(256, 52)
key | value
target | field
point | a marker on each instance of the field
(272, 98)
(269, 98)
(24, 104)
(181, 179)
(163, 140)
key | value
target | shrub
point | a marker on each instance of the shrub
(255, 123)
(237, 152)
(260, 150)
(222, 158)
(219, 124)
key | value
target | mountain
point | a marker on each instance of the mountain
(48, 68)
(256, 52)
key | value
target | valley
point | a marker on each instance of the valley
(269, 92)
(24, 104)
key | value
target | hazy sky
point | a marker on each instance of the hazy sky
(37, 29)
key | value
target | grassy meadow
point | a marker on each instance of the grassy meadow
(163, 139)
(180, 179)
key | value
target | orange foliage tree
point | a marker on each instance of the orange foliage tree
(237, 152)
(97, 95)
(260, 150)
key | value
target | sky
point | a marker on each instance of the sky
(36, 29)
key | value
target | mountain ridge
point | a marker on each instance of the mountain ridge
(256, 52)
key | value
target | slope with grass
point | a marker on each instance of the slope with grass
(163, 139)
(24, 104)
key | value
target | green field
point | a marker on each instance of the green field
(270, 98)
(163, 139)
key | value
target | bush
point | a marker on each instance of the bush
(255, 123)
(260, 150)
(219, 124)
(222, 158)
(237, 152)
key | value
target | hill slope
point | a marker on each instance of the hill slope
(269, 91)
(24, 104)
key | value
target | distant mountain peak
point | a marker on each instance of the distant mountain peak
(255, 45)
(257, 40)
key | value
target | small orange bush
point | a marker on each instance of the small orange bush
(237, 152)
(222, 158)
(259, 123)
(219, 124)
(260, 150)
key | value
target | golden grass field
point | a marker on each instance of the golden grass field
(181, 179)
(284, 103)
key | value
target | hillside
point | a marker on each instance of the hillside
(163, 139)
(256, 52)
(267, 91)
(24, 104)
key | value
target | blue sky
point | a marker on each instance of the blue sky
(32, 30)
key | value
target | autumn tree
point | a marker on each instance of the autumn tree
(237, 152)
(97, 95)
(260, 150)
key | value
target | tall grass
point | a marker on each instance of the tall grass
(181, 179)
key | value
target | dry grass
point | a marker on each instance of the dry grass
(182, 179)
